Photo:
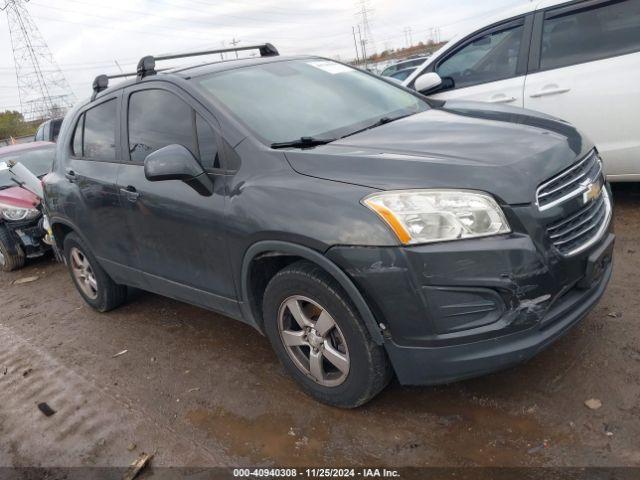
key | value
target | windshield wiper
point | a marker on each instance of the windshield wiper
(303, 142)
(379, 123)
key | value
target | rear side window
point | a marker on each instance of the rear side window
(488, 58)
(158, 118)
(99, 141)
(586, 35)
(40, 134)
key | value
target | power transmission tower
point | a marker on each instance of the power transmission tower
(365, 12)
(43, 90)
(408, 37)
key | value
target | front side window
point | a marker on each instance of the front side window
(587, 35)
(158, 118)
(285, 100)
(100, 132)
(489, 58)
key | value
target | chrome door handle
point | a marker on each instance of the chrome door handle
(552, 91)
(502, 99)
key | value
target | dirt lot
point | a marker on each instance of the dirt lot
(201, 389)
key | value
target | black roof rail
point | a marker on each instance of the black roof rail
(147, 65)
(101, 82)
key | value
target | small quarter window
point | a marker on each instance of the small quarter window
(207, 146)
(77, 137)
(46, 134)
(55, 130)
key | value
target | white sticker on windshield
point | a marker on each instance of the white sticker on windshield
(330, 67)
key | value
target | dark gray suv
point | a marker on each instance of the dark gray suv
(366, 230)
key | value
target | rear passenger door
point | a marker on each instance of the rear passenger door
(92, 170)
(179, 234)
(585, 68)
(489, 66)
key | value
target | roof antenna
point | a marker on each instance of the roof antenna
(119, 67)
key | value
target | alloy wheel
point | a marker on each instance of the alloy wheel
(83, 273)
(313, 340)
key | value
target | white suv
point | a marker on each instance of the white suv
(578, 60)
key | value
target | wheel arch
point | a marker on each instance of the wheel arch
(61, 228)
(293, 251)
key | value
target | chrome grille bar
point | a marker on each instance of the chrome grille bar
(568, 184)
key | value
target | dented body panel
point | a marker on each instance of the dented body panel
(456, 311)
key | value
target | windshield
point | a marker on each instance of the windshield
(39, 162)
(287, 100)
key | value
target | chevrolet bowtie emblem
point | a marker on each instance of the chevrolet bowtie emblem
(592, 190)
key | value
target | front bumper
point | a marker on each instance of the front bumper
(461, 309)
(28, 236)
(436, 365)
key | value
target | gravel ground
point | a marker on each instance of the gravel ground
(201, 390)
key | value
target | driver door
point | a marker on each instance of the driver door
(488, 67)
(180, 235)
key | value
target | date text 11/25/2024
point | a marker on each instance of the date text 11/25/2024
(316, 473)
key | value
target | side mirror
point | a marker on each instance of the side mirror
(427, 82)
(176, 162)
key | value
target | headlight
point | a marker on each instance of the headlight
(11, 213)
(425, 216)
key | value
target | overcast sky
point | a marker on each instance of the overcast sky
(86, 37)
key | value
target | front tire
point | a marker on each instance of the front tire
(320, 339)
(95, 286)
(10, 261)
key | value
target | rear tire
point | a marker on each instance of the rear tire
(320, 339)
(10, 261)
(95, 286)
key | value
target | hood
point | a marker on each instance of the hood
(19, 197)
(502, 150)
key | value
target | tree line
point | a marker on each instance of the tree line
(12, 124)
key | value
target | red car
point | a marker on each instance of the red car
(21, 221)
